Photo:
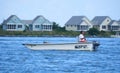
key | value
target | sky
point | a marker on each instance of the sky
(59, 11)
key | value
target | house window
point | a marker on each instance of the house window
(103, 27)
(46, 27)
(84, 27)
(37, 26)
(19, 26)
(115, 28)
(11, 26)
(67, 25)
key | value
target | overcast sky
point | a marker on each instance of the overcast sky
(59, 11)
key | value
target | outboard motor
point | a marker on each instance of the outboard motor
(95, 44)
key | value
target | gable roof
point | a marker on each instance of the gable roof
(40, 18)
(112, 22)
(75, 20)
(47, 22)
(99, 19)
(9, 18)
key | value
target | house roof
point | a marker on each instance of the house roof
(9, 18)
(47, 22)
(75, 20)
(40, 19)
(112, 22)
(5, 21)
(99, 19)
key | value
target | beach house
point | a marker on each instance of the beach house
(101, 22)
(13, 23)
(39, 23)
(78, 23)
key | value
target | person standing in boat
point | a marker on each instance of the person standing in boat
(82, 37)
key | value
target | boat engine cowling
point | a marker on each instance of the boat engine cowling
(95, 44)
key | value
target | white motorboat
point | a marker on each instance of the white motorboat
(90, 46)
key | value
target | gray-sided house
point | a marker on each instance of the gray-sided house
(101, 22)
(114, 26)
(41, 24)
(78, 23)
(13, 23)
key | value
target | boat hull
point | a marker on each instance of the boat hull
(63, 46)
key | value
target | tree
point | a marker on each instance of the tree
(93, 31)
(0, 27)
(56, 27)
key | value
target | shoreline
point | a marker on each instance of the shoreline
(35, 36)
(50, 36)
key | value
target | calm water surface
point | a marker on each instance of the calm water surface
(15, 58)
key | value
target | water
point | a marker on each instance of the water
(15, 58)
